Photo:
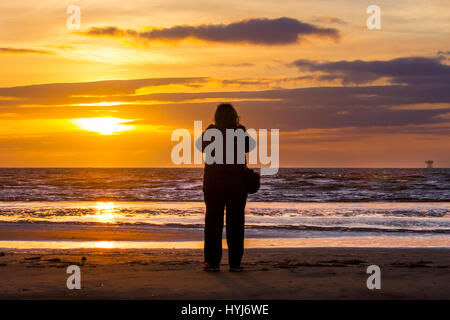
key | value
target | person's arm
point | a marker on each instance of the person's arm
(200, 144)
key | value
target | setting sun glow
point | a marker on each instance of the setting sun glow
(106, 125)
(105, 211)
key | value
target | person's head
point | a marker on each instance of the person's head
(226, 116)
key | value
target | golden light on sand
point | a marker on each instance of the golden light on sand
(105, 211)
(104, 125)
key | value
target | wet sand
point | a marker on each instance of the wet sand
(87, 236)
(95, 232)
(300, 273)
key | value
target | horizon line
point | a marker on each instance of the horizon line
(198, 167)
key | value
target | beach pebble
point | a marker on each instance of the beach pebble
(83, 259)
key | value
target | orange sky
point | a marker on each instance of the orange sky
(111, 93)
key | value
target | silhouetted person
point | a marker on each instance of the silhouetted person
(224, 188)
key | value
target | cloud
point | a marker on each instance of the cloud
(427, 131)
(67, 92)
(234, 65)
(262, 31)
(445, 55)
(330, 19)
(5, 50)
(266, 82)
(110, 32)
(287, 109)
(412, 70)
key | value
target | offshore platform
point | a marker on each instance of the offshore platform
(429, 164)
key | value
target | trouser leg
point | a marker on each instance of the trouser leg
(215, 206)
(235, 228)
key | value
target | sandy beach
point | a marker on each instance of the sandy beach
(300, 273)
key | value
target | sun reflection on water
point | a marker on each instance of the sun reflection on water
(105, 212)
(105, 244)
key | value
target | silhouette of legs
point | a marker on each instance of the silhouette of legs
(235, 206)
(224, 192)
(215, 205)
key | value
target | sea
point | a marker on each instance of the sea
(296, 207)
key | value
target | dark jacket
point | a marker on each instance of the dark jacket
(224, 168)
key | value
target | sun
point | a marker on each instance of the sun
(105, 125)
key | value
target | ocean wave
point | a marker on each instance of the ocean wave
(257, 227)
(176, 184)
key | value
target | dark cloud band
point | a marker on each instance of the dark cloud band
(281, 31)
(22, 51)
(411, 70)
(287, 109)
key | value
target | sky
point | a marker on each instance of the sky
(110, 93)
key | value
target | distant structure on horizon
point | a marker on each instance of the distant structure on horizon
(429, 164)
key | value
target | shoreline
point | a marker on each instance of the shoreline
(79, 236)
(249, 243)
